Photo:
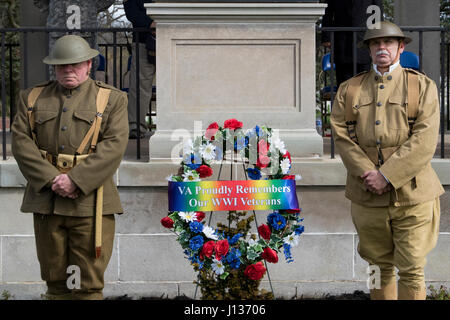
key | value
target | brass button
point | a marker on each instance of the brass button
(377, 122)
(64, 164)
(64, 109)
(61, 147)
(389, 77)
(382, 87)
(379, 103)
(378, 142)
(64, 128)
(376, 78)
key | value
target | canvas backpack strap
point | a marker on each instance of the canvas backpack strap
(32, 97)
(102, 101)
(413, 99)
(354, 85)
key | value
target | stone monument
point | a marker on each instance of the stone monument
(249, 60)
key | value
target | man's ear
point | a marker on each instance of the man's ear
(89, 66)
(401, 46)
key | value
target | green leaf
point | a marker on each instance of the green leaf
(252, 254)
(224, 275)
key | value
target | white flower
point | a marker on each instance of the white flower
(169, 178)
(276, 143)
(191, 176)
(188, 146)
(292, 239)
(298, 177)
(218, 267)
(251, 241)
(285, 165)
(208, 151)
(188, 216)
(209, 233)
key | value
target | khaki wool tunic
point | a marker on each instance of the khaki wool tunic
(382, 119)
(62, 119)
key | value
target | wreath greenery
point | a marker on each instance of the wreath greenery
(231, 262)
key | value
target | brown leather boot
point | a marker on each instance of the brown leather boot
(386, 292)
(408, 293)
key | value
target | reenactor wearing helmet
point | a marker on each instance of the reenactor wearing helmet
(385, 124)
(68, 138)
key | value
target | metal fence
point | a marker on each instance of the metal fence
(115, 66)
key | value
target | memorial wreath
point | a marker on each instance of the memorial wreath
(229, 260)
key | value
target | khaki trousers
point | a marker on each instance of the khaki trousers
(63, 241)
(398, 237)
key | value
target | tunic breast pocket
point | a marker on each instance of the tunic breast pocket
(396, 116)
(45, 122)
(81, 123)
(364, 115)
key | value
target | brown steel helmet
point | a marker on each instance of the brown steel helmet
(70, 49)
(386, 30)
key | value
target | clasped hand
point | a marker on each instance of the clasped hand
(64, 186)
(375, 182)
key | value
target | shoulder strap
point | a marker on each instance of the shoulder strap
(32, 97)
(413, 96)
(102, 101)
(354, 85)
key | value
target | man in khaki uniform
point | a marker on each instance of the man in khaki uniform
(68, 138)
(385, 124)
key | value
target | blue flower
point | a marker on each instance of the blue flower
(196, 243)
(219, 153)
(232, 258)
(240, 143)
(196, 227)
(299, 230)
(254, 174)
(276, 221)
(192, 161)
(257, 130)
(287, 252)
(234, 239)
(194, 259)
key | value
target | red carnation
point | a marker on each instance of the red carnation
(289, 177)
(263, 147)
(200, 215)
(287, 155)
(221, 248)
(204, 171)
(211, 131)
(167, 222)
(264, 231)
(262, 161)
(270, 255)
(232, 124)
(207, 250)
(255, 271)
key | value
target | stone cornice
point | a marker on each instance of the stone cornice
(235, 12)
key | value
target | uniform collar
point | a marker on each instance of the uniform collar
(73, 91)
(394, 74)
(391, 68)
